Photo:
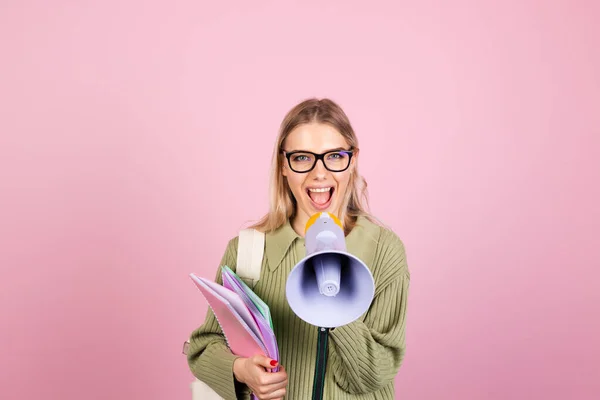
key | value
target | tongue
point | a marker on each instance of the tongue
(320, 197)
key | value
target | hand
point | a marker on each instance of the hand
(254, 372)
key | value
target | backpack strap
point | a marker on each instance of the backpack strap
(251, 247)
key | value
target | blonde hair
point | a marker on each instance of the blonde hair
(282, 201)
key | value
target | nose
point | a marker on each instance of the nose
(319, 171)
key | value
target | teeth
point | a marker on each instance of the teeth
(319, 190)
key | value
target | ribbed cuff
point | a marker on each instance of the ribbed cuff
(215, 368)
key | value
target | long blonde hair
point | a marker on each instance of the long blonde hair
(282, 201)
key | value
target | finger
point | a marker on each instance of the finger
(272, 394)
(264, 361)
(274, 386)
(280, 370)
(278, 394)
(267, 379)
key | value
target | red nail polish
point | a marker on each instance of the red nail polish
(273, 363)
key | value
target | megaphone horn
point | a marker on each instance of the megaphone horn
(329, 287)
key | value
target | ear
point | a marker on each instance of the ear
(354, 159)
(284, 169)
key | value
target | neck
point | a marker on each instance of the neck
(299, 224)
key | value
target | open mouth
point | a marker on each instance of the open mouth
(320, 197)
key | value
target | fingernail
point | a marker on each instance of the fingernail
(273, 363)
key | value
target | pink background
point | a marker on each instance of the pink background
(136, 139)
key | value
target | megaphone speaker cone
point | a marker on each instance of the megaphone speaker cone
(330, 288)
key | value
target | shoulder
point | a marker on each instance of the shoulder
(230, 255)
(391, 242)
(374, 228)
(386, 248)
(232, 244)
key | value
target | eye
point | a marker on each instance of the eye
(301, 157)
(337, 156)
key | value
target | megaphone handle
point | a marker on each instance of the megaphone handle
(321, 364)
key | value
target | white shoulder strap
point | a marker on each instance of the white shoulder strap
(251, 247)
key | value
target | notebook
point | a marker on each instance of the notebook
(260, 305)
(241, 339)
(258, 309)
(244, 325)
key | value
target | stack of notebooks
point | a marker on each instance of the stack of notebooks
(244, 318)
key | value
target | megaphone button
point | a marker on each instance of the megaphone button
(329, 288)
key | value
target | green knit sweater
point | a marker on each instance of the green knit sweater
(363, 356)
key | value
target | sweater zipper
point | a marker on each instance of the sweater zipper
(319, 379)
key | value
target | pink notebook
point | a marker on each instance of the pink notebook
(241, 337)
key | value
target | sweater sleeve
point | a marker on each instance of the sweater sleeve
(209, 358)
(366, 355)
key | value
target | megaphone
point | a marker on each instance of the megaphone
(329, 287)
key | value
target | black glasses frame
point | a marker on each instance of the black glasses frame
(317, 158)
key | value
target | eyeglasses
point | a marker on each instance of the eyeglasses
(304, 161)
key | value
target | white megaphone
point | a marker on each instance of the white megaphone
(329, 287)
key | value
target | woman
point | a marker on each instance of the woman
(315, 169)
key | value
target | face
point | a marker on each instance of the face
(320, 189)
